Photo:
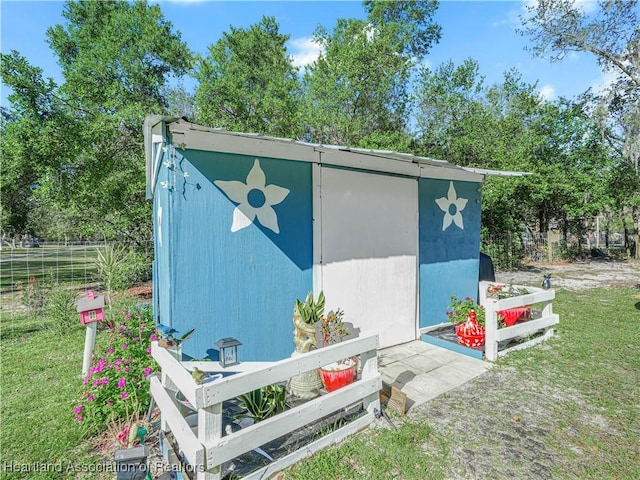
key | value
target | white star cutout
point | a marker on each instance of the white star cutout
(254, 199)
(446, 204)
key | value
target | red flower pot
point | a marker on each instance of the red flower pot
(337, 375)
(470, 333)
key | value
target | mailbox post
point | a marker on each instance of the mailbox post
(91, 310)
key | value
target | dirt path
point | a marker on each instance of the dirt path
(576, 276)
(511, 424)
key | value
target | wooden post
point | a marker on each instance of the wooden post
(491, 331)
(369, 361)
(209, 431)
(89, 344)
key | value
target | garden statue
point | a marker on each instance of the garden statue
(546, 282)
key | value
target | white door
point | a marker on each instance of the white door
(369, 249)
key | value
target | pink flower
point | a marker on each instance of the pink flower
(96, 383)
(117, 362)
(79, 418)
(153, 337)
(124, 395)
(148, 349)
(126, 369)
(122, 382)
(123, 436)
(78, 409)
(128, 316)
(124, 347)
(111, 350)
(104, 381)
(108, 404)
(148, 370)
(90, 398)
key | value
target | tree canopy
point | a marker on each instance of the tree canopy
(77, 147)
(248, 83)
(612, 35)
(73, 159)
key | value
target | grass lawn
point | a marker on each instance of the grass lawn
(566, 409)
(40, 375)
(55, 263)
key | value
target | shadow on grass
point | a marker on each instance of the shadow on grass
(15, 332)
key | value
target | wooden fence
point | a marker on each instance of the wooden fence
(540, 325)
(206, 449)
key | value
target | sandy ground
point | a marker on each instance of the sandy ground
(576, 276)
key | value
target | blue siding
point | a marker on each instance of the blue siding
(240, 284)
(448, 258)
(162, 246)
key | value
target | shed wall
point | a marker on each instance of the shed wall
(449, 245)
(239, 283)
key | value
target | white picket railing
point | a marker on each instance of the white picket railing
(542, 324)
(207, 449)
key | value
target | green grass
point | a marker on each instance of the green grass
(587, 378)
(55, 263)
(40, 381)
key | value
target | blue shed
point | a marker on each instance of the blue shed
(245, 224)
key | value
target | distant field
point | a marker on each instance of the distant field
(57, 263)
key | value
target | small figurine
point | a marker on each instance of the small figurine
(546, 282)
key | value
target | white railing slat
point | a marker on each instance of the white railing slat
(235, 385)
(270, 470)
(189, 444)
(526, 328)
(231, 446)
(210, 449)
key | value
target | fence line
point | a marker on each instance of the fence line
(30, 269)
(511, 250)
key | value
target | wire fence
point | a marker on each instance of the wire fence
(510, 250)
(30, 269)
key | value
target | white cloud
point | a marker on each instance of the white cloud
(548, 92)
(304, 51)
(513, 16)
(604, 83)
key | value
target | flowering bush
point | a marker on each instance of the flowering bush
(116, 386)
(458, 310)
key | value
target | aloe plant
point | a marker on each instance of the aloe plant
(262, 403)
(310, 311)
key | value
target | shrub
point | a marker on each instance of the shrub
(116, 387)
(61, 310)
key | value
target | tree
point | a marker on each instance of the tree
(84, 137)
(248, 83)
(356, 92)
(613, 36)
(507, 126)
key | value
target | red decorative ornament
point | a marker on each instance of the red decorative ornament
(470, 333)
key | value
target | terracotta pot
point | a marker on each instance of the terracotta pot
(337, 375)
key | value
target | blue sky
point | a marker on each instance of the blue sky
(481, 30)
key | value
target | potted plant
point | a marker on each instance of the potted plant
(343, 372)
(469, 318)
(170, 338)
(306, 314)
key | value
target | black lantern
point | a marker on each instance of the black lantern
(228, 351)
